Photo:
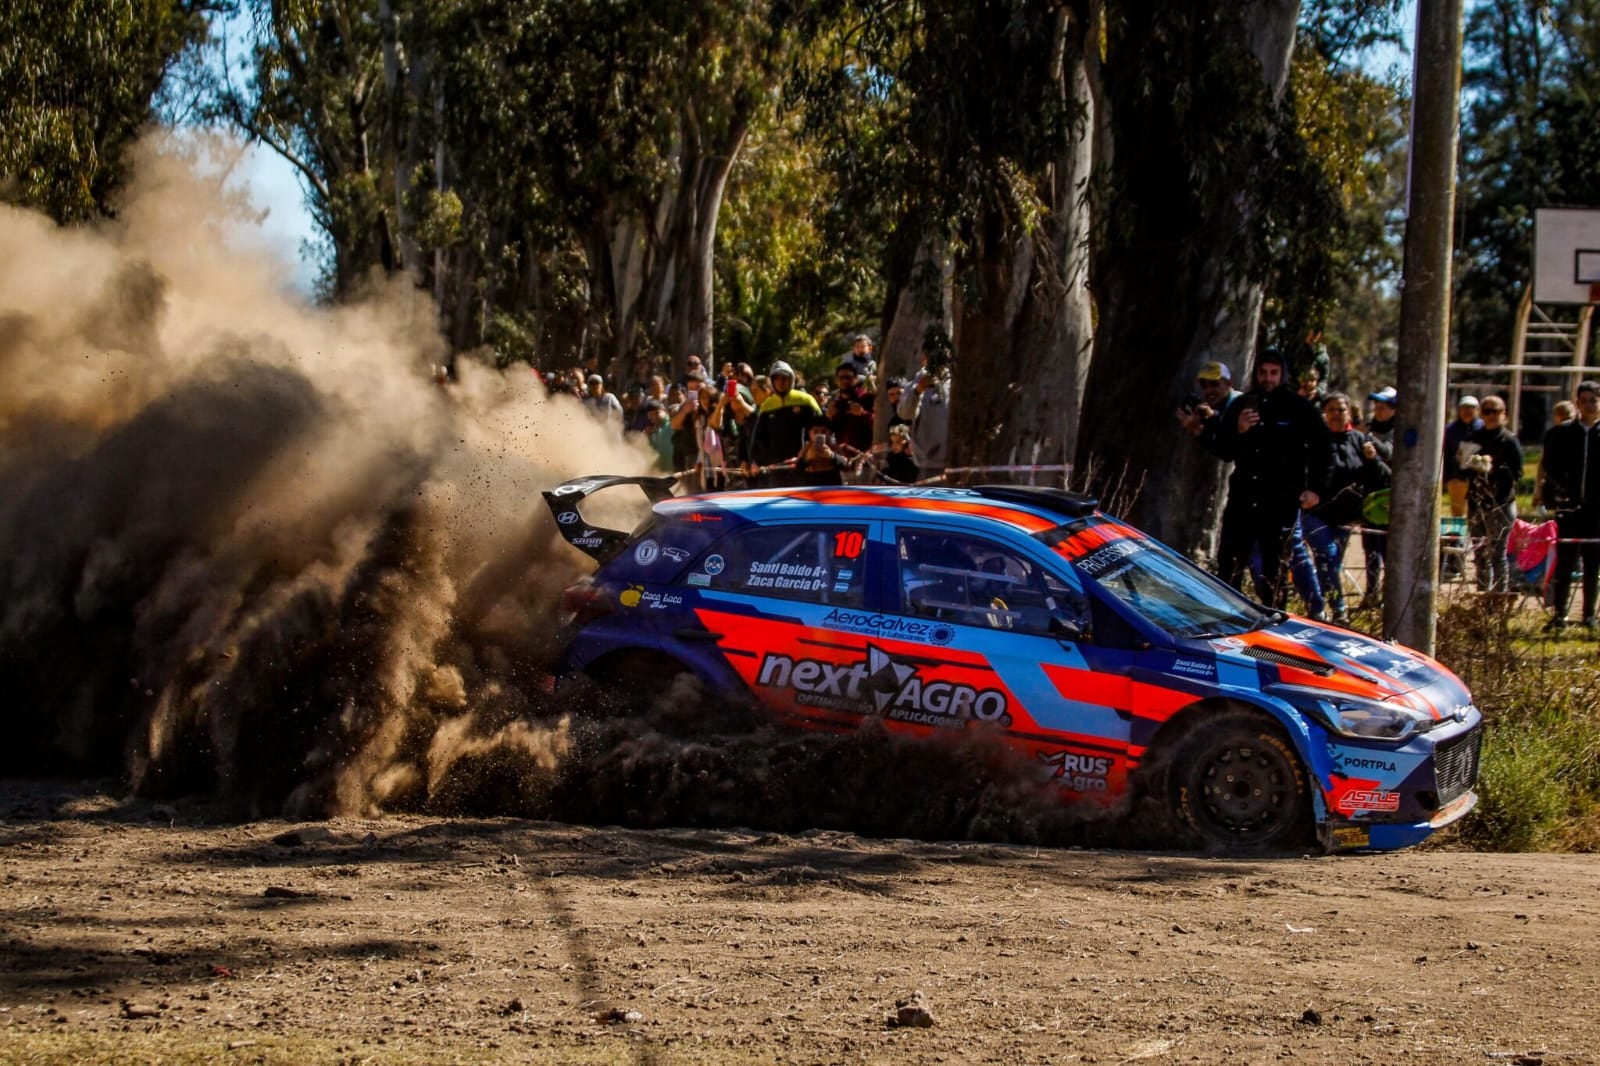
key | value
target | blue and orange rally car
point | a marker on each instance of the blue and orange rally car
(1115, 663)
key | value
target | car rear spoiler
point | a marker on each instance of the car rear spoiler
(600, 544)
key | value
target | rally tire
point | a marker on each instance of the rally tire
(624, 684)
(1236, 784)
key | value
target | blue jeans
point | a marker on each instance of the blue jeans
(1291, 549)
(1328, 546)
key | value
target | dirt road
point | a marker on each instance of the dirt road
(130, 930)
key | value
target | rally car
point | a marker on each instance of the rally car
(1117, 666)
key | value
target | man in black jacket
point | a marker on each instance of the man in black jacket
(1275, 440)
(1492, 475)
(1572, 489)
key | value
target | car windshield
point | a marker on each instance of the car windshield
(1161, 585)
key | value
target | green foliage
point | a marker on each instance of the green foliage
(1539, 781)
(77, 81)
(792, 276)
(1333, 204)
(1531, 82)
(935, 118)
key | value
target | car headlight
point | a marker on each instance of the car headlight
(1352, 716)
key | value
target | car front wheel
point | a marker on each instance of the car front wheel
(1237, 785)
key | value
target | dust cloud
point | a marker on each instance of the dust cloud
(252, 550)
(250, 546)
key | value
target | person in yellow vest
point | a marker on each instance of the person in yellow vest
(780, 427)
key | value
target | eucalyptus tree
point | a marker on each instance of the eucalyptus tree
(1223, 214)
(1193, 96)
(963, 127)
(78, 81)
(1531, 83)
(552, 169)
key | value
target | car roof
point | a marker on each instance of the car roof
(1028, 508)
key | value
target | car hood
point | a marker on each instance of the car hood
(1315, 655)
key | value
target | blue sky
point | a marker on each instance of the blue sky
(275, 185)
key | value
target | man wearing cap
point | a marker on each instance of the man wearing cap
(1375, 533)
(1275, 440)
(1202, 413)
(780, 427)
(1457, 448)
(601, 404)
(634, 419)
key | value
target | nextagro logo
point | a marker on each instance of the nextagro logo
(883, 686)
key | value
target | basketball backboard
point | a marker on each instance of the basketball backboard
(1566, 255)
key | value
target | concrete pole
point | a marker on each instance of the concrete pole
(1411, 583)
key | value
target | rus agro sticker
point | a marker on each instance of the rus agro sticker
(646, 552)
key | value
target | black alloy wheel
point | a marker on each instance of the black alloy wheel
(1239, 786)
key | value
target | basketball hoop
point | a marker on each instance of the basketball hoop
(1594, 294)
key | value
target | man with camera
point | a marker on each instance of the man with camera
(926, 406)
(1493, 470)
(850, 410)
(1201, 412)
(1276, 442)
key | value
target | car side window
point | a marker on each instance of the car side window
(816, 564)
(976, 582)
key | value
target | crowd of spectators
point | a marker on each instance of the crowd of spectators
(1300, 486)
(739, 428)
(1309, 468)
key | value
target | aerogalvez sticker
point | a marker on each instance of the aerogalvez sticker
(889, 625)
(882, 685)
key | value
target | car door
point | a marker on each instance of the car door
(1016, 650)
(782, 604)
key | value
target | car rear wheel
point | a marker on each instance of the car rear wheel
(625, 684)
(1237, 784)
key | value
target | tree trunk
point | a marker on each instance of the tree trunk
(921, 300)
(1022, 346)
(400, 130)
(660, 271)
(696, 318)
(1178, 271)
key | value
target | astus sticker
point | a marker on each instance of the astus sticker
(1369, 800)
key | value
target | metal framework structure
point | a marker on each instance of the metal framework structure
(1543, 348)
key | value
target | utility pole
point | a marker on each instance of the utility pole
(1410, 585)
